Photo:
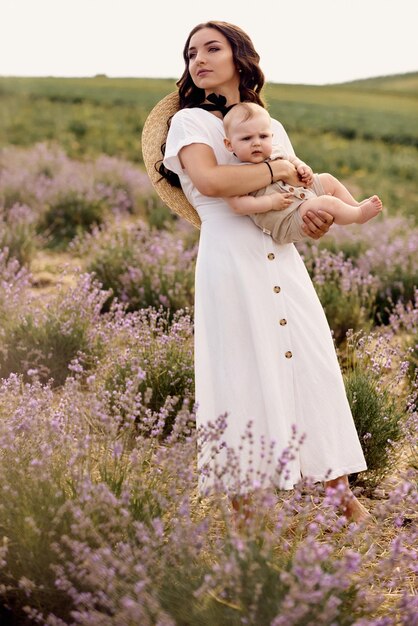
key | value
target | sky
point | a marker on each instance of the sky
(299, 41)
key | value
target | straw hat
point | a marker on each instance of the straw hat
(154, 135)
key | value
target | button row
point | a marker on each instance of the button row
(277, 289)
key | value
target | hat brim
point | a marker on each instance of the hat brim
(154, 134)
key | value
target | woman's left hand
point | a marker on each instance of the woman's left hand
(317, 223)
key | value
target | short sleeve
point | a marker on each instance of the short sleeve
(280, 137)
(186, 128)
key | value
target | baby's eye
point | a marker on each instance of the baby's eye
(246, 138)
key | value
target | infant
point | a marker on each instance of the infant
(249, 136)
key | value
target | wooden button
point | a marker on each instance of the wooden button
(288, 354)
(302, 195)
(270, 256)
(283, 322)
(291, 189)
(277, 289)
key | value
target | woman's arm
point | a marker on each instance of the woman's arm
(216, 180)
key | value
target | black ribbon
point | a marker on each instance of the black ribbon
(218, 103)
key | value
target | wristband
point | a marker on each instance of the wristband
(271, 171)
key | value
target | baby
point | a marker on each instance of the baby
(248, 135)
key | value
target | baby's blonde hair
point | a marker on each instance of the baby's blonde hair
(242, 112)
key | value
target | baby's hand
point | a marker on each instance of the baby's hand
(280, 200)
(305, 174)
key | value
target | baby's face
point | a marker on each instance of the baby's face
(252, 140)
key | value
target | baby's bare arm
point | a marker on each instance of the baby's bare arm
(249, 205)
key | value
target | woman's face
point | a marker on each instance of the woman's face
(211, 62)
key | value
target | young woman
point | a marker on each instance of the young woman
(263, 348)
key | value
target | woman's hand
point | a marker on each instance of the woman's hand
(317, 223)
(285, 170)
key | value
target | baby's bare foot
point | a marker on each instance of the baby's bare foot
(369, 209)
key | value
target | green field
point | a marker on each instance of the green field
(365, 132)
(101, 519)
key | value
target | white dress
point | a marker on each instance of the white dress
(263, 348)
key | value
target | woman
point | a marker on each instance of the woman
(263, 348)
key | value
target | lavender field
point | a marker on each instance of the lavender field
(100, 520)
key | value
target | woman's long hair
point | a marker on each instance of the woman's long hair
(246, 60)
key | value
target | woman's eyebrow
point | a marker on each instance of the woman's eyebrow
(208, 43)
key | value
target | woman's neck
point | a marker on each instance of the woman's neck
(232, 95)
(216, 104)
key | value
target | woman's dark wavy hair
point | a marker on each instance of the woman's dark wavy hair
(246, 61)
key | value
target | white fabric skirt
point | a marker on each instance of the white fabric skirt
(264, 353)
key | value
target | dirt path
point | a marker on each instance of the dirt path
(51, 270)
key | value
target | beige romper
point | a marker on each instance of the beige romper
(285, 226)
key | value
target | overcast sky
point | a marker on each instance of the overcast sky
(299, 41)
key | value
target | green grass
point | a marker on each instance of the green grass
(395, 83)
(101, 90)
(365, 132)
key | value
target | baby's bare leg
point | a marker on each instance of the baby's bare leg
(334, 187)
(342, 212)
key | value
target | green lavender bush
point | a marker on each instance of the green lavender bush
(46, 342)
(377, 416)
(18, 233)
(346, 292)
(101, 527)
(375, 376)
(143, 267)
(148, 366)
